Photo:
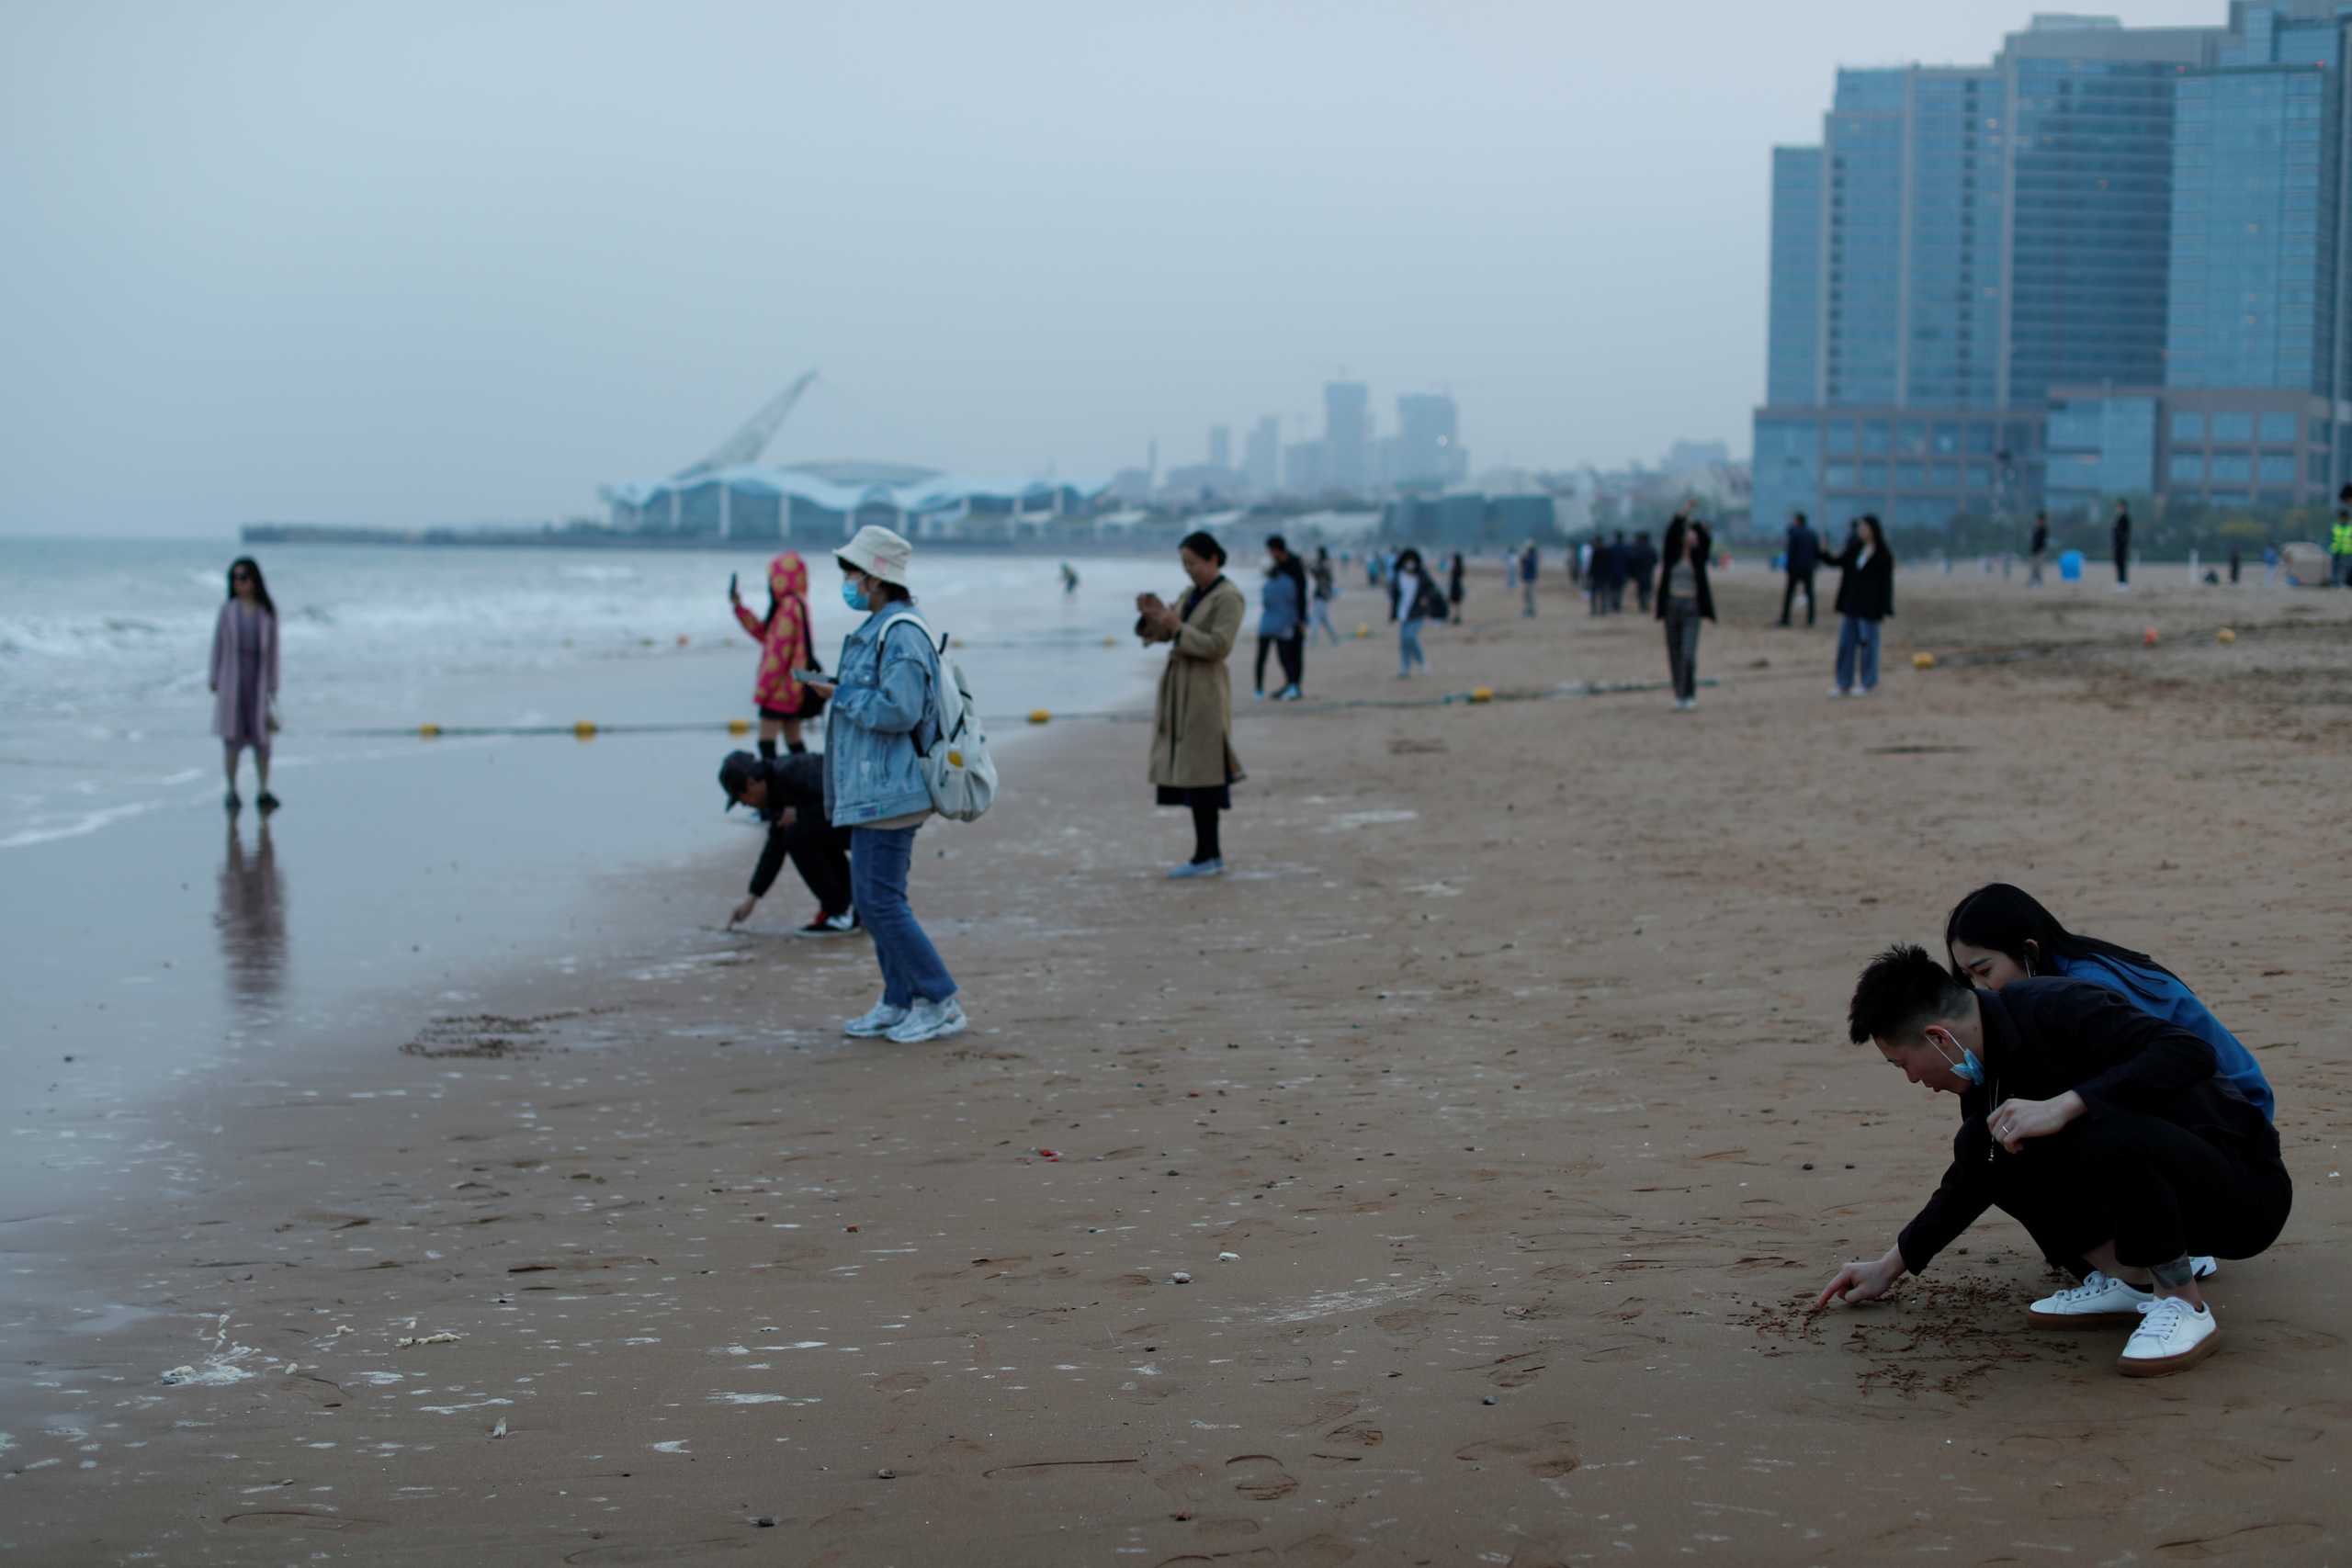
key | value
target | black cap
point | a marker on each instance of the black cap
(739, 770)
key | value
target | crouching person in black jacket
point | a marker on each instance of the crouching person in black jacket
(788, 793)
(2103, 1130)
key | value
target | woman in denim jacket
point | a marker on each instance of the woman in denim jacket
(883, 717)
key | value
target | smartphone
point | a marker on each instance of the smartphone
(805, 676)
(732, 593)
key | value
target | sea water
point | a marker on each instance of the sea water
(154, 938)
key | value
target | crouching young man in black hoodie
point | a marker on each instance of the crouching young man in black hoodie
(2103, 1130)
(788, 793)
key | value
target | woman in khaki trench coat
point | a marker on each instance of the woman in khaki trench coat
(1192, 732)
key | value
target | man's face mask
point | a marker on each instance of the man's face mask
(1968, 1066)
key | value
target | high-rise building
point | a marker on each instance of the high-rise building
(2043, 272)
(1347, 437)
(1220, 446)
(1427, 448)
(1262, 455)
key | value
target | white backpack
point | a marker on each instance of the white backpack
(958, 769)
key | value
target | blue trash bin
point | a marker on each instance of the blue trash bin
(2070, 566)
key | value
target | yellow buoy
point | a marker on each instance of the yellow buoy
(2225, 635)
(585, 731)
(428, 731)
(682, 640)
(738, 727)
(1363, 628)
(1482, 693)
(1110, 642)
(1923, 661)
(1039, 715)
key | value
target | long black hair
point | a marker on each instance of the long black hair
(1204, 545)
(2004, 918)
(1677, 531)
(261, 589)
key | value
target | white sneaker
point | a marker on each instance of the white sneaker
(882, 1019)
(930, 1020)
(2203, 1267)
(2101, 1301)
(2172, 1337)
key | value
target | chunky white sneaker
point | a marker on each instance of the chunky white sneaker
(882, 1019)
(2101, 1301)
(930, 1020)
(2172, 1337)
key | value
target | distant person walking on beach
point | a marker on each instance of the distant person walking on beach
(1325, 589)
(1192, 761)
(2104, 1130)
(1800, 556)
(2038, 550)
(1453, 589)
(788, 795)
(2122, 536)
(1527, 563)
(244, 677)
(2000, 934)
(2339, 541)
(1684, 600)
(1282, 620)
(883, 715)
(1069, 579)
(1641, 565)
(785, 642)
(1865, 598)
(1413, 599)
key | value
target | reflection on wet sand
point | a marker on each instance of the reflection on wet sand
(252, 920)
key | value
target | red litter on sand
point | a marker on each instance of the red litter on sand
(1047, 1154)
(2148, 638)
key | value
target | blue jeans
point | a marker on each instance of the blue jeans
(1856, 636)
(1409, 645)
(879, 858)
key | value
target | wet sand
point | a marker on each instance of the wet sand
(1509, 1065)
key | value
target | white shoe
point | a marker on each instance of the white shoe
(882, 1019)
(2101, 1301)
(930, 1020)
(2203, 1267)
(1839, 692)
(1198, 868)
(2172, 1337)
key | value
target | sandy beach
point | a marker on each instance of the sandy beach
(1497, 1110)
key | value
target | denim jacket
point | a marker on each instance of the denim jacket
(884, 709)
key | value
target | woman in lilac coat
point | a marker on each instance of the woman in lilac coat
(244, 677)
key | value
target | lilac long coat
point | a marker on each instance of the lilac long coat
(242, 693)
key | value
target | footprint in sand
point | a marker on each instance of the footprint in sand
(902, 1382)
(1314, 1552)
(1260, 1476)
(1517, 1371)
(1546, 1451)
(1361, 1434)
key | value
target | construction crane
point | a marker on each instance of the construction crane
(746, 444)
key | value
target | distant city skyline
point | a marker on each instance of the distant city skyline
(461, 264)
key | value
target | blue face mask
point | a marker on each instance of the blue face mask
(852, 595)
(1968, 1066)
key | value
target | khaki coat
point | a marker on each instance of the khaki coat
(1192, 731)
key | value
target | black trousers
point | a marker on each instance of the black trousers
(1291, 650)
(1682, 646)
(1788, 596)
(2155, 1189)
(2122, 565)
(820, 854)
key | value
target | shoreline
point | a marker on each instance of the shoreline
(1506, 1060)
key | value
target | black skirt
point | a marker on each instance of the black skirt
(1218, 795)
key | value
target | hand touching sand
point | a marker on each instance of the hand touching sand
(1858, 1282)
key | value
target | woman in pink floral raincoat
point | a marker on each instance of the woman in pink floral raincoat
(783, 634)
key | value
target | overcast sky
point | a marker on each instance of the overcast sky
(435, 263)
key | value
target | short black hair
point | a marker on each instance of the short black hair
(1274, 542)
(1901, 992)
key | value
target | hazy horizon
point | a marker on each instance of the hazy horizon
(447, 264)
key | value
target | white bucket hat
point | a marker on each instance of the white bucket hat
(879, 552)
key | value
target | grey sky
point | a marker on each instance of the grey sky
(428, 262)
